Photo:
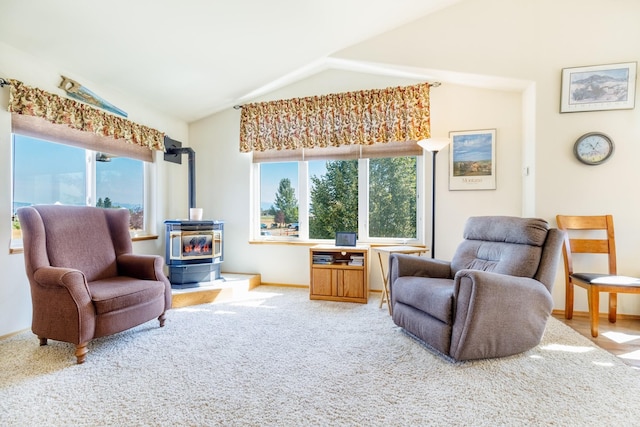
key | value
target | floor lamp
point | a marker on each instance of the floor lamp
(433, 145)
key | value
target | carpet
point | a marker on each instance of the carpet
(276, 358)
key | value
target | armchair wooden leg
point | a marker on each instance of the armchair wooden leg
(43, 340)
(81, 352)
(161, 319)
(594, 307)
(613, 307)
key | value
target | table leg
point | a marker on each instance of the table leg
(385, 290)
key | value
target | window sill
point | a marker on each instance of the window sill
(331, 242)
(16, 248)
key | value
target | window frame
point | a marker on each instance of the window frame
(363, 205)
(91, 185)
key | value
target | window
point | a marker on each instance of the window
(279, 199)
(376, 197)
(46, 172)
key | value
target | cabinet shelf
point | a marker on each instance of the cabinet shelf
(334, 279)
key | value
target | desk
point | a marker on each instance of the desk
(385, 276)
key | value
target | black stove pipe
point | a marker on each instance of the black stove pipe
(192, 170)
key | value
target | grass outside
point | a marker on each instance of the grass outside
(268, 227)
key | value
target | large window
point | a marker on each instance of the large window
(46, 172)
(375, 197)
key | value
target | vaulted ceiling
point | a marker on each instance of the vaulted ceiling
(191, 58)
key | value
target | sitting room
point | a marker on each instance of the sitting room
(279, 258)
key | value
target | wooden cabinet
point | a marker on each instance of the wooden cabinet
(339, 273)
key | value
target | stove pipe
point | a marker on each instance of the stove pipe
(173, 153)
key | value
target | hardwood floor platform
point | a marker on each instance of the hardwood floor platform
(621, 338)
(229, 286)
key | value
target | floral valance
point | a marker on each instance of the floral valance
(364, 118)
(59, 110)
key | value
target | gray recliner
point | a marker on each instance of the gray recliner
(492, 299)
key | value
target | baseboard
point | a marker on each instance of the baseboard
(4, 337)
(600, 315)
(289, 285)
(284, 285)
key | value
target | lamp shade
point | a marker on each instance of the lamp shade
(433, 144)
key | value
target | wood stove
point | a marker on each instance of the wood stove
(193, 251)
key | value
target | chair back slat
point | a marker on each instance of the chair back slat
(589, 246)
(576, 242)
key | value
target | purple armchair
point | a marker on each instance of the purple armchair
(85, 281)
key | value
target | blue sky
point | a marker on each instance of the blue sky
(472, 147)
(43, 171)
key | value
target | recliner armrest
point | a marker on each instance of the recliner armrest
(413, 265)
(496, 314)
(144, 267)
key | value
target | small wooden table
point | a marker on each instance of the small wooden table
(385, 276)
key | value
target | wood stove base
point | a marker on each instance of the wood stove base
(191, 275)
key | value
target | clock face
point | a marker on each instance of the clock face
(593, 148)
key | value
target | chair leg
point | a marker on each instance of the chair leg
(81, 352)
(568, 302)
(613, 307)
(594, 307)
(161, 319)
(43, 340)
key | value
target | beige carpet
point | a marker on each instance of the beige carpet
(276, 358)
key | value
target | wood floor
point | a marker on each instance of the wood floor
(621, 338)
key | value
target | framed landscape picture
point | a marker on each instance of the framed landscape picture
(472, 160)
(599, 87)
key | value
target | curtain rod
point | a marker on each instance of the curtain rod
(434, 84)
(4, 82)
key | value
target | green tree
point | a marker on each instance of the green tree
(286, 201)
(100, 203)
(392, 197)
(334, 200)
(107, 202)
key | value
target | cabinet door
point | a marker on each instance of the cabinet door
(322, 281)
(351, 283)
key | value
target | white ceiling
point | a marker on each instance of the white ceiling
(191, 58)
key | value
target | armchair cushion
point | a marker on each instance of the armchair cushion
(435, 299)
(119, 292)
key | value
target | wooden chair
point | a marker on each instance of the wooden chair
(594, 283)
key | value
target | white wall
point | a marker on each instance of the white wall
(15, 298)
(492, 43)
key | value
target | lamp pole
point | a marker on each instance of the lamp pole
(433, 202)
(433, 145)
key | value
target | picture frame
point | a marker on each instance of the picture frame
(598, 88)
(472, 160)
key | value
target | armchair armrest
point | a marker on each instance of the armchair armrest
(497, 315)
(71, 279)
(144, 267)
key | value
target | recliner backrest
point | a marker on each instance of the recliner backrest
(502, 244)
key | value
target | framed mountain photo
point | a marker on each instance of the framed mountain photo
(599, 87)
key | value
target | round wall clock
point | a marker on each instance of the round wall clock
(593, 148)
